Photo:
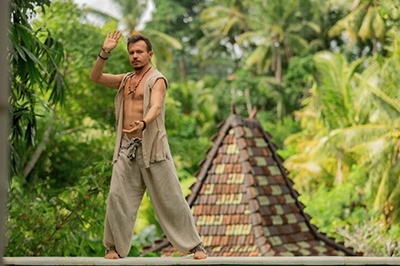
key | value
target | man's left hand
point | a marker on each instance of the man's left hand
(136, 128)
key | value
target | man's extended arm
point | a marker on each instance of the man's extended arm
(158, 93)
(97, 75)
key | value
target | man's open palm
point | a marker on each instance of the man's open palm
(111, 40)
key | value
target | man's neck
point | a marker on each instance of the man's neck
(141, 70)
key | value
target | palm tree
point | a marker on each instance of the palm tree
(133, 13)
(279, 32)
(352, 119)
(222, 23)
(198, 101)
(364, 22)
(329, 108)
(266, 34)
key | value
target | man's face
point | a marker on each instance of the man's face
(138, 54)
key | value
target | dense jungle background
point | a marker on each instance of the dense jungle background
(324, 76)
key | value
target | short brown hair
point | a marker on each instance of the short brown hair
(140, 37)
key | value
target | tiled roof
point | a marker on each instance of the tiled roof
(244, 204)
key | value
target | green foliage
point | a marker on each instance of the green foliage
(85, 147)
(75, 128)
(298, 80)
(69, 26)
(362, 24)
(361, 232)
(34, 66)
(279, 130)
(342, 213)
(64, 221)
(337, 207)
(373, 238)
(190, 120)
(356, 121)
(48, 221)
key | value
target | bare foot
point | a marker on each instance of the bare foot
(111, 254)
(199, 255)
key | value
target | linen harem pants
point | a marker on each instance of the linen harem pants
(130, 179)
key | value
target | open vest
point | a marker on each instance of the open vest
(154, 141)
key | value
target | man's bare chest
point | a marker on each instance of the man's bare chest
(134, 90)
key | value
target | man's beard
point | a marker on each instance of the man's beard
(138, 67)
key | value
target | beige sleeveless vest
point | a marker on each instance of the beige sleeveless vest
(154, 142)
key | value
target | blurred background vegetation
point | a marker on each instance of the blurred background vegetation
(324, 76)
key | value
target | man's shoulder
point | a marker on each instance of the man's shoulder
(156, 75)
(126, 75)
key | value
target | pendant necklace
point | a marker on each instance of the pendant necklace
(137, 84)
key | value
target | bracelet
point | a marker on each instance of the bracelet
(104, 58)
(144, 124)
(108, 52)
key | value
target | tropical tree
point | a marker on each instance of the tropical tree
(264, 34)
(179, 19)
(363, 23)
(197, 101)
(283, 35)
(132, 13)
(57, 132)
(34, 59)
(351, 119)
(277, 29)
(329, 107)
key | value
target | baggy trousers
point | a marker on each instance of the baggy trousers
(130, 179)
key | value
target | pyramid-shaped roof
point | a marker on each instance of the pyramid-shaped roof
(244, 204)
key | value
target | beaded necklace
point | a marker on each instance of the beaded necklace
(137, 84)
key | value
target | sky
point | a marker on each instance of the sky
(109, 7)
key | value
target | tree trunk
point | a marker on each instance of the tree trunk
(182, 69)
(339, 170)
(42, 146)
(278, 79)
(248, 101)
(278, 71)
(355, 4)
(36, 155)
(4, 120)
(374, 45)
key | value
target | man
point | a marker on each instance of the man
(142, 158)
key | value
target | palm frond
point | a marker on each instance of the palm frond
(381, 95)
(100, 14)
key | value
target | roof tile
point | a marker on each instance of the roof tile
(244, 204)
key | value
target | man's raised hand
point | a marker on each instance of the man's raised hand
(111, 40)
